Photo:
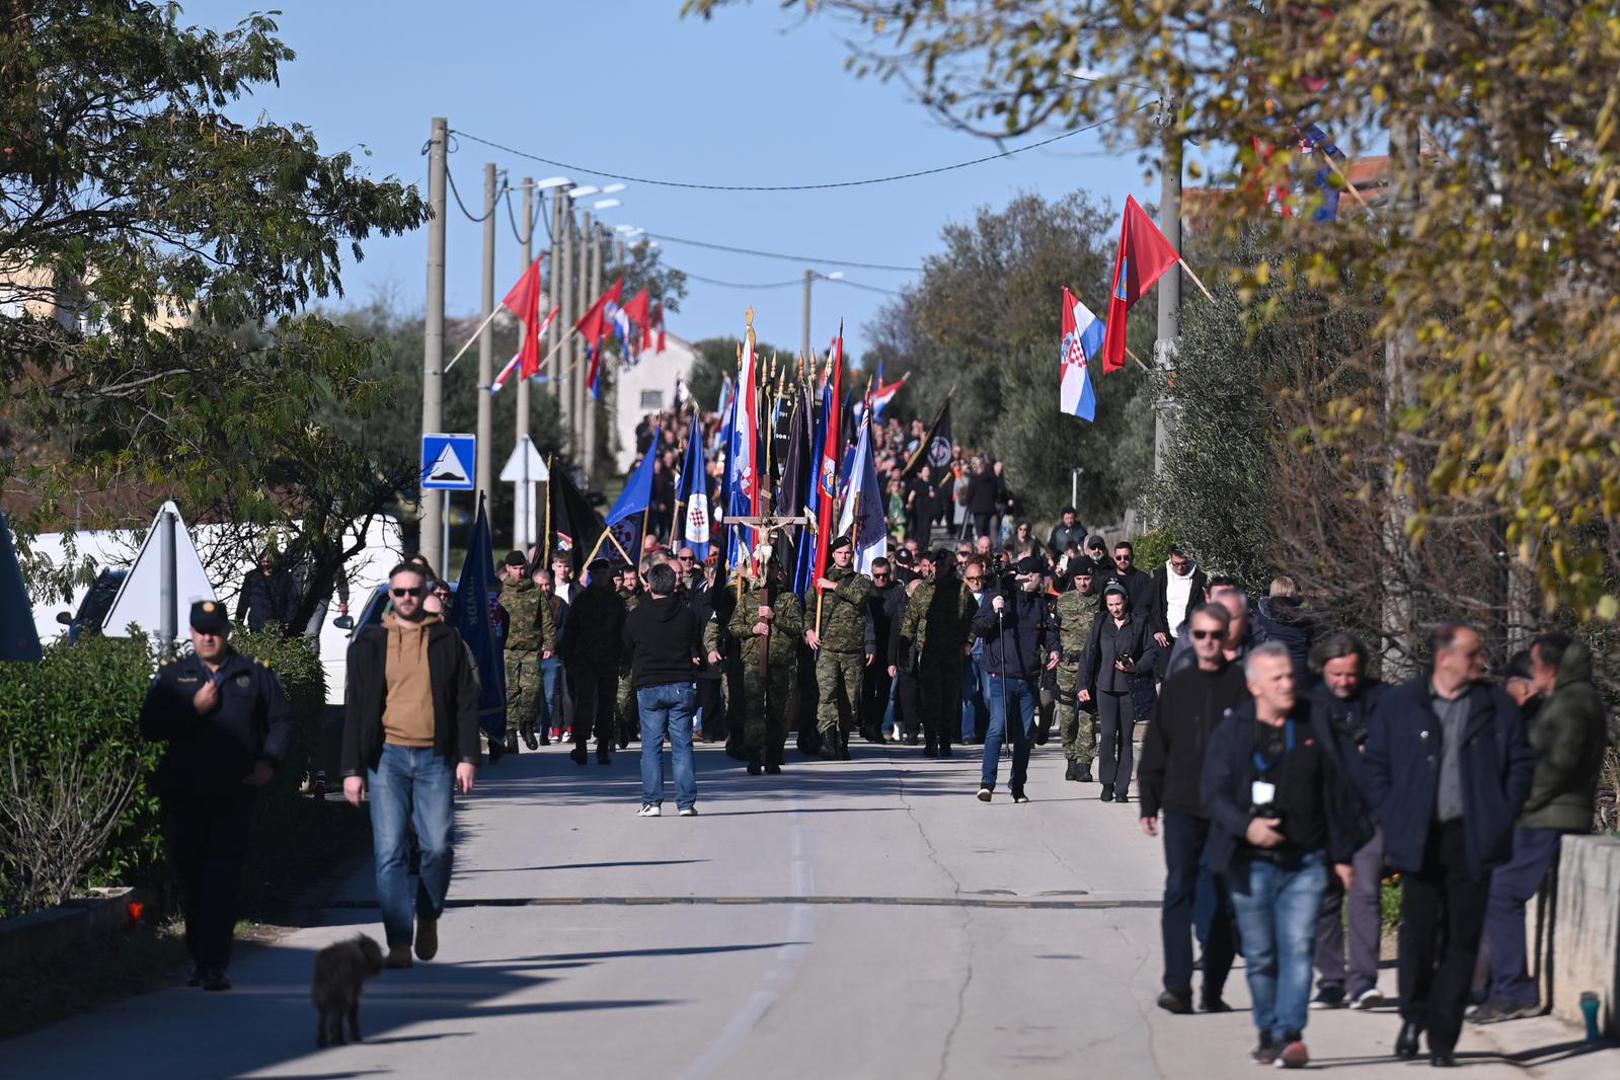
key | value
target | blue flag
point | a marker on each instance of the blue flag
(694, 497)
(862, 515)
(476, 596)
(804, 572)
(635, 498)
(18, 639)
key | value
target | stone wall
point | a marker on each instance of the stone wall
(1586, 947)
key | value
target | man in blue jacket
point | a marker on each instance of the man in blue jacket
(1020, 641)
(1446, 769)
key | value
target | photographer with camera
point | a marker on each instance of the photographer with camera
(1119, 641)
(1020, 642)
(1283, 814)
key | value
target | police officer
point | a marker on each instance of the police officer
(938, 626)
(842, 649)
(766, 623)
(530, 634)
(228, 725)
(1076, 611)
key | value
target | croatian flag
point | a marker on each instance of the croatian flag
(1082, 341)
(880, 397)
(740, 463)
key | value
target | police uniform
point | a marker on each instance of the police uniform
(1076, 611)
(201, 781)
(767, 680)
(841, 660)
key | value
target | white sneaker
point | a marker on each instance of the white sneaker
(651, 810)
(688, 811)
(1369, 998)
(984, 794)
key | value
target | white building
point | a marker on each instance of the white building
(647, 387)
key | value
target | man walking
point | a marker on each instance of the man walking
(766, 623)
(269, 594)
(842, 651)
(410, 735)
(1178, 587)
(1347, 697)
(881, 607)
(228, 725)
(1076, 611)
(663, 644)
(1020, 641)
(936, 632)
(595, 628)
(1568, 738)
(1447, 768)
(553, 686)
(1283, 815)
(1191, 705)
(977, 576)
(529, 633)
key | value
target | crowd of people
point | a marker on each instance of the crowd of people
(1284, 782)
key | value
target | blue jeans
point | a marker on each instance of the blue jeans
(411, 786)
(1005, 695)
(667, 709)
(1276, 903)
(1513, 885)
(550, 689)
(890, 728)
(974, 681)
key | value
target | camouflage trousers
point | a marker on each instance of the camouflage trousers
(767, 706)
(626, 711)
(523, 690)
(838, 679)
(1078, 727)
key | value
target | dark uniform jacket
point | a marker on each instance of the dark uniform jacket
(455, 698)
(786, 626)
(1401, 773)
(843, 611)
(596, 623)
(212, 751)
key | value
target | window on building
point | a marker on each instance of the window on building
(652, 400)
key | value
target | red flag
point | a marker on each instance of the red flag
(832, 457)
(1144, 256)
(638, 311)
(593, 324)
(524, 302)
(658, 317)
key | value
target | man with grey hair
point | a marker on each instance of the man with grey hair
(1283, 816)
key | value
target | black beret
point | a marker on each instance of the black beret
(1032, 564)
(208, 617)
(597, 565)
(838, 545)
(515, 558)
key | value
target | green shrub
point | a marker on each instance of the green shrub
(1152, 549)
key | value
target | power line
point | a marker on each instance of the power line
(781, 255)
(791, 284)
(791, 187)
(457, 192)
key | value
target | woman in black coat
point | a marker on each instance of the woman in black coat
(1119, 642)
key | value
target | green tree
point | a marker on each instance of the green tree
(156, 258)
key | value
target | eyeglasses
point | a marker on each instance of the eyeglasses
(1205, 635)
(974, 577)
(687, 558)
(416, 590)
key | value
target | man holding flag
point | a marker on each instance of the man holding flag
(843, 649)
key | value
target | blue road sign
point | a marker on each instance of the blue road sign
(448, 462)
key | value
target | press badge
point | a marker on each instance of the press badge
(1262, 793)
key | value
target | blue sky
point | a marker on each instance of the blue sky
(754, 96)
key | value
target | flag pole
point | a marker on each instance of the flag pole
(1201, 288)
(545, 545)
(487, 320)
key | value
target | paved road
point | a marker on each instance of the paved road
(863, 919)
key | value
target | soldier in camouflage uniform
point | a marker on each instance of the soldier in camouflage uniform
(842, 651)
(768, 681)
(529, 632)
(1076, 611)
(937, 633)
(626, 713)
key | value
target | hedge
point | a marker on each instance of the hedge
(86, 697)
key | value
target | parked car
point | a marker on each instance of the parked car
(94, 607)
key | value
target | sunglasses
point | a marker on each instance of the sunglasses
(416, 590)
(687, 558)
(1205, 635)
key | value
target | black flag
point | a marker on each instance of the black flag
(935, 448)
(572, 522)
(793, 493)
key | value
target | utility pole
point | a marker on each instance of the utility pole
(431, 541)
(559, 367)
(594, 252)
(582, 371)
(522, 512)
(804, 346)
(565, 323)
(1167, 344)
(486, 342)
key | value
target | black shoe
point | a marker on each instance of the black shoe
(604, 756)
(1018, 796)
(1213, 1005)
(1172, 1002)
(579, 755)
(829, 750)
(911, 739)
(1122, 797)
(1107, 795)
(197, 976)
(945, 750)
(624, 744)
(1072, 772)
(930, 750)
(773, 770)
(1406, 1043)
(1328, 997)
(735, 751)
(215, 980)
(1085, 774)
(497, 750)
(755, 768)
(530, 739)
(511, 742)
(1442, 1059)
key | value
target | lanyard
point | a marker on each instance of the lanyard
(1260, 763)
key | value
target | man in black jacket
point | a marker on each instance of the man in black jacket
(1347, 697)
(1020, 641)
(410, 733)
(663, 643)
(592, 658)
(1283, 816)
(269, 595)
(1191, 704)
(1178, 588)
(1137, 585)
(880, 615)
(1447, 768)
